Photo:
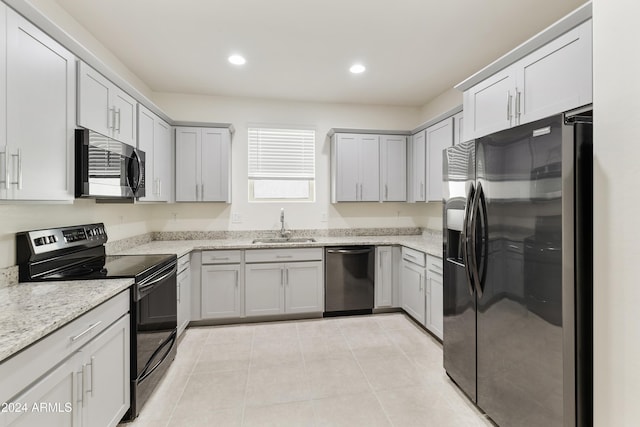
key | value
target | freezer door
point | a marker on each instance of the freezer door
(459, 301)
(518, 262)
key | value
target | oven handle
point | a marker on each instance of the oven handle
(144, 285)
(148, 371)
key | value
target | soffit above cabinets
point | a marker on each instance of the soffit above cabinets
(413, 50)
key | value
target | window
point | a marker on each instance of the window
(282, 164)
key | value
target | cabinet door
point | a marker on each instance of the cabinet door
(40, 109)
(489, 105)
(187, 164)
(184, 300)
(304, 287)
(215, 165)
(418, 174)
(220, 291)
(162, 160)
(264, 289)
(393, 168)
(439, 137)
(347, 180)
(3, 105)
(106, 380)
(369, 154)
(556, 77)
(59, 387)
(434, 304)
(458, 128)
(146, 130)
(384, 276)
(413, 292)
(94, 100)
(124, 126)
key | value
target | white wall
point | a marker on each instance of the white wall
(245, 111)
(121, 221)
(616, 211)
(447, 100)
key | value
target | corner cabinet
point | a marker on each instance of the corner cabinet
(554, 78)
(203, 164)
(38, 89)
(154, 138)
(284, 281)
(393, 168)
(355, 168)
(105, 108)
(438, 137)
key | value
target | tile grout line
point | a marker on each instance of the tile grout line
(306, 375)
(246, 384)
(184, 387)
(366, 377)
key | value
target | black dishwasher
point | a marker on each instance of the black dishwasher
(349, 283)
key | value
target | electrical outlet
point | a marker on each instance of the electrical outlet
(236, 218)
(323, 217)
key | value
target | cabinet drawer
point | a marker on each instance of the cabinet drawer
(184, 262)
(283, 255)
(221, 257)
(434, 264)
(413, 256)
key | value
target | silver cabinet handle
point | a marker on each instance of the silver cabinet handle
(118, 114)
(179, 292)
(197, 191)
(386, 192)
(111, 118)
(86, 331)
(220, 258)
(518, 109)
(356, 191)
(421, 190)
(82, 380)
(202, 192)
(361, 196)
(92, 365)
(286, 276)
(420, 288)
(284, 256)
(282, 277)
(7, 175)
(237, 278)
(76, 377)
(509, 106)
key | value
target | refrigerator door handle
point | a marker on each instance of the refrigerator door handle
(473, 240)
(465, 237)
(484, 252)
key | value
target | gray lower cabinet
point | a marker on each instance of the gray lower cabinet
(76, 376)
(434, 291)
(222, 284)
(275, 287)
(387, 277)
(183, 293)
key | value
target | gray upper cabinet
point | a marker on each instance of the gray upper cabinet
(416, 176)
(438, 137)
(154, 138)
(355, 165)
(105, 108)
(393, 168)
(203, 164)
(554, 78)
(37, 85)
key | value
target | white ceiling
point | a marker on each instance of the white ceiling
(302, 49)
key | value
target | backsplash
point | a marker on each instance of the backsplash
(128, 243)
(8, 276)
(245, 234)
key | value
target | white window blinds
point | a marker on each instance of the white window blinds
(281, 154)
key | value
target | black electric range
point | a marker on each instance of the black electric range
(78, 253)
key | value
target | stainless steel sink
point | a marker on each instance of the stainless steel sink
(285, 240)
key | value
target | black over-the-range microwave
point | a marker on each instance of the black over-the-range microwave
(106, 168)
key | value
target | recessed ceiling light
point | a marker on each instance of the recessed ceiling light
(237, 60)
(357, 68)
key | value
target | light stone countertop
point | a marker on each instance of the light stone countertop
(431, 245)
(30, 311)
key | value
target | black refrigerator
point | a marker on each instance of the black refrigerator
(517, 216)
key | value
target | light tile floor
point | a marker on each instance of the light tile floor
(380, 370)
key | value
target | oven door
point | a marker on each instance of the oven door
(155, 336)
